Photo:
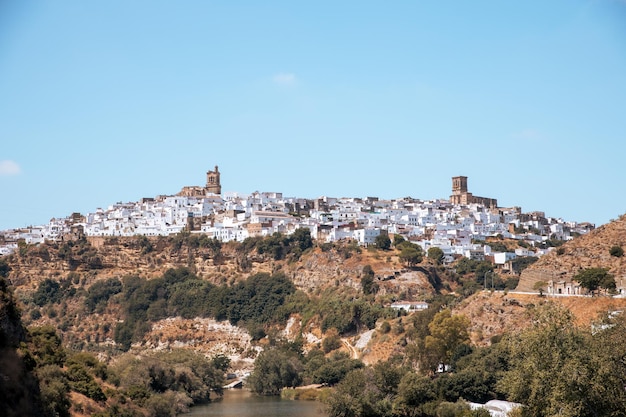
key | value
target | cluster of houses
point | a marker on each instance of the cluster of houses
(457, 226)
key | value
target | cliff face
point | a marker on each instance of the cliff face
(588, 251)
(19, 389)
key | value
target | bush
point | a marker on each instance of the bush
(616, 251)
(82, 382)
(385, 327)
(99, 293)
(332, 341)
(48, 292)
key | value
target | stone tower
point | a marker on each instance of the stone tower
(213, 182)
(460, 195)
(459, 185)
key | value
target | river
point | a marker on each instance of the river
(242, 403)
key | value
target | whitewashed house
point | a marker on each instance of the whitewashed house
(366, 236)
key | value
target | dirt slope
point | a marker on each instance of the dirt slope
(587, 251)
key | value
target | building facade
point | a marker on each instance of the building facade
(461, 196)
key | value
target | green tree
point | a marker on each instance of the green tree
(273, 245)
(302, 238)
(275, 369)
(540, 286)
(594, 278)
(368, 284)
(447, 333)
(382, 241)
(82, 381)
(331, 341)
(558, 369)
(411, 255)
(522, 262)
(367, 392)
(99, 293)
(258, 299)
(398, 240)
(414, 391)
(54, 389)
(46, 346)
(436, 254)
(331, 370)
(465, 266)
(48, 292)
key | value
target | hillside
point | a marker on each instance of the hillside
(74, 267)
(160, 296)
(588, 251)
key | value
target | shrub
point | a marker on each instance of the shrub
(99, 293)
(616, 251)
(48, 292)
(385, 327)
(332, 341)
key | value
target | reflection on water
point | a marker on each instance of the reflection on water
(241, 403)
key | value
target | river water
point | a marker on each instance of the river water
(242, 403)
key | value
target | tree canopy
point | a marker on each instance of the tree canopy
(411, 255)
(558, 369)
(382, 241)
(436, 254)
(594, 278)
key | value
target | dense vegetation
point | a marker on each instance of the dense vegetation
(257, 303)
(552, 368)
(474, 275)
(252, 303)
(38, 375)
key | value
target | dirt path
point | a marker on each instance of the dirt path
(354, 354)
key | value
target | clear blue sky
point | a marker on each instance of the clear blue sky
(106, 101)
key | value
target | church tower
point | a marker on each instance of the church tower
(459, 185)
(459, 191)
(213, 182)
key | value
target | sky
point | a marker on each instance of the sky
(108, 101)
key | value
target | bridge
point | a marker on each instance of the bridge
(238, 383)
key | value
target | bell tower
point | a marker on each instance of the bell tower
(459, 185)
(459, 191)
(213, 185)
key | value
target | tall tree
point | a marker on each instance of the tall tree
(382, 241)
(595, 278)
(447, 333)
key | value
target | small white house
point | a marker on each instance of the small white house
(500, 258)
(366, 236)
(409, 306)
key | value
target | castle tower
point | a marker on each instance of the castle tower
(213, 182)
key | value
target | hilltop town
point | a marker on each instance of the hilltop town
(234, 276)
(459, 225)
